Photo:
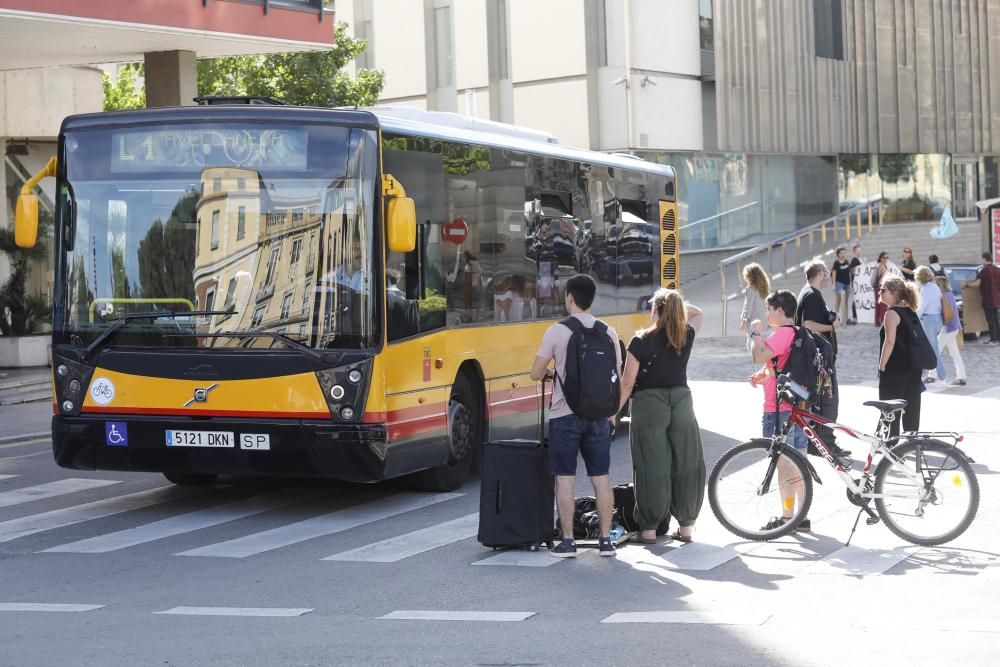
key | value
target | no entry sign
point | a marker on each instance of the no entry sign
(455, 231)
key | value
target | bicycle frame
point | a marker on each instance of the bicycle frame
(877, 445)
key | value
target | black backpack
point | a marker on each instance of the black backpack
(921, 353)
(592, 384)
(810, 364)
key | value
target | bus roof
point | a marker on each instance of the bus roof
(411, 122)
(454, 127)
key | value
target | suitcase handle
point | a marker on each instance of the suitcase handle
(541, 414)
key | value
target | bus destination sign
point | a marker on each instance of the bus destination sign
(149, 150)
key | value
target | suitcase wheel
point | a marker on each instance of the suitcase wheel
(532, 547)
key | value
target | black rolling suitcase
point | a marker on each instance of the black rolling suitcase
(516, 496)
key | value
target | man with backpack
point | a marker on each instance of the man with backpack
(585, 398)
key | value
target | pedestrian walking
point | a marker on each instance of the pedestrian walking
(931, 320)
(952, 329)
(587, 375)
(857, 261)
(909, 266)
(774, 353)
(667, 458)
(841, 272)
(988, 282)
(758, 286)
(898, 377)
(881, 269)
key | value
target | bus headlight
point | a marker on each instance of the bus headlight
(354, 376)
(347, 414)
(68, 406)
(336, 392)
(62, 370)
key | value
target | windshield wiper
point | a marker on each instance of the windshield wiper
(153, 315)
(310, 352)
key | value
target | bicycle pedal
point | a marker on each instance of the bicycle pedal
(872, 520)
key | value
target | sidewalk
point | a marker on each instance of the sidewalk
(27, 421)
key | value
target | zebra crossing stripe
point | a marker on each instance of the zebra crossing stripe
(7, 476)
(522, 558)
(50, 490)
(184, 523)
(38, 523)
(858, 561)
(403, 546)
(43, 606)
(748, 617)
(274, 612)
(493, 616)
(320, 526)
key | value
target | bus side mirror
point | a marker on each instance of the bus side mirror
(401, 227)
(26, 213)
(26, 221)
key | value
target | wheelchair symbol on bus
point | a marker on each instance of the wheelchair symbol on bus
(116, 434)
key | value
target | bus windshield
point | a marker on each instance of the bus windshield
(270, 226)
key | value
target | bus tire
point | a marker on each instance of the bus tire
(190, 479)
(465, 428)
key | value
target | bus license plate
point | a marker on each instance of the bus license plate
(200, 439)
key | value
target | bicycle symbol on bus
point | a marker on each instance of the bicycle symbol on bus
(102, 391)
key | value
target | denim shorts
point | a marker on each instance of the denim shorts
(841, 287)
(796, 438)
(572, 435)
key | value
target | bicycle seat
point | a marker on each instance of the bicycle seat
(887, 406)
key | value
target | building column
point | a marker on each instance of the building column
(171, 78)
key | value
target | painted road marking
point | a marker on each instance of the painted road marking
(320, 526)
(695, 617)
(7, 476)
(397, 548)
(184, 523)
(521, 558)
(281, 612)
(50, 490)
(492, 616)
(38, 523)
(43, 606)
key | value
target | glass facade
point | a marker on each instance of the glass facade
(739, 199)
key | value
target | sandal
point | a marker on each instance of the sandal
(677, 537)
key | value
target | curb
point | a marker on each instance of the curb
(23, 437)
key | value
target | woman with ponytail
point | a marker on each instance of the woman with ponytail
(897, 377)
(667, 458)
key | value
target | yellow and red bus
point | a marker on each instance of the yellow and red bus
(350, 294)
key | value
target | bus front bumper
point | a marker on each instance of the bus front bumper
(295, 448)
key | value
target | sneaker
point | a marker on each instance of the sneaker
(775, 523)
(805, 526)
(851, 322)
(565, 549)
(959, 382)
(929, 380)
(605, 547)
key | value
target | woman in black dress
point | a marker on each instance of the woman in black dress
(897, 377)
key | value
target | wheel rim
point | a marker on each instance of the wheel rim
(737, 502)
(931, 513)
(460, 432)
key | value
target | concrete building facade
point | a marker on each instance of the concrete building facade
(776, 113)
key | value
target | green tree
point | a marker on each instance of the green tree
(166, 254)
(307, 79)
(20, 313)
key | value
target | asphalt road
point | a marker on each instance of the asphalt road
(262, 572)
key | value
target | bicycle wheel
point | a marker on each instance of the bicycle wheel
(757, 495)
(932, 511)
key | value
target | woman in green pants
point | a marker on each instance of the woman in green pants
(667, 457)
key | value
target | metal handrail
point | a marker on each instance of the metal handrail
(796, 237)
(717, 215)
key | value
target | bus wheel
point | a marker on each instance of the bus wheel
(190, 479)
(464, 434)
